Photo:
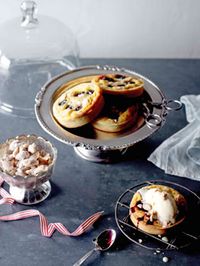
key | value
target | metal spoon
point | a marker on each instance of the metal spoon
(103, 242)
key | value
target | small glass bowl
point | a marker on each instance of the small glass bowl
(31, 189)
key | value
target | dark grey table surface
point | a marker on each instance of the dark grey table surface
(81, 188)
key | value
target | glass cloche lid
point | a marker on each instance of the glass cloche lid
(32, 50)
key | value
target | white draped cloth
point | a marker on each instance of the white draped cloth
(180, 154)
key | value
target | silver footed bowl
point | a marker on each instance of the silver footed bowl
(95, 145)
(29, 189)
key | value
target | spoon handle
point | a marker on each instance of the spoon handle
(81, 260)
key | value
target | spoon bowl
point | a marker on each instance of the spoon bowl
(105, 239)
(102, 243)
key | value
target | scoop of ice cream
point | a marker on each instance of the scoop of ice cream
(160, 205)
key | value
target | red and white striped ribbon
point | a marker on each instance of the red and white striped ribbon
(47, 229)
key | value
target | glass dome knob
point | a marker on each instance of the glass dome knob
(29, 9)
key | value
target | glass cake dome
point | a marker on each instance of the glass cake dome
(32, 50)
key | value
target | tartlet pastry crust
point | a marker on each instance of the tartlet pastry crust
(118, 84)
(78, 105)
(116, 118)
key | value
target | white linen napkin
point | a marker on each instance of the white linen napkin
(180, 154)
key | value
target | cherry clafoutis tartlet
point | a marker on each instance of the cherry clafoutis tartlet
(156, 208)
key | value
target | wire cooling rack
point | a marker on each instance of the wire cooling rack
(178, 237)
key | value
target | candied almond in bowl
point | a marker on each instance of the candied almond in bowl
(26, 164)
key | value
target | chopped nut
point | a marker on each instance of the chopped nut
(32, 148)
(28, 162)
(7, 165)
(13, 145)
(39, 169)
(15, 152)
(30, 171)
(22, 155)
(45, 159)
(10, 157)
(20, 172)
(24, 146)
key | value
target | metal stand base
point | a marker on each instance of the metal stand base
(31, 196)
(100, 156)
